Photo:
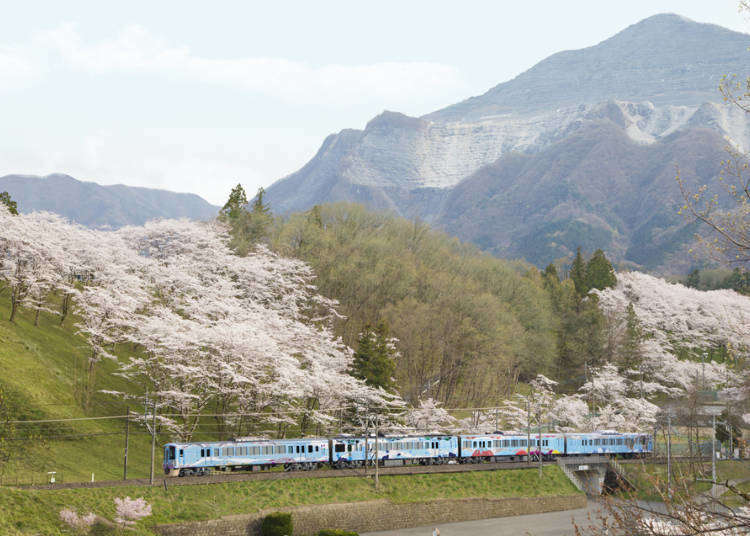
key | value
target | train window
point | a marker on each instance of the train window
(182, 452)
(309, 448)
(316, 448)
(349, 448)
(339, 448)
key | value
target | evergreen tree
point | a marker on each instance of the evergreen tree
(259, 219)
(578, 274)
(374, 360)
(739, 281)
(248, 227)
(693, 279)
(599, 272)
(235, 205)
(6, 200)
(631, 353)
(550, 275)
(580, 335)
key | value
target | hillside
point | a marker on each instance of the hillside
(42, 367)
(652, 84)
(98, 206)
(597, 188)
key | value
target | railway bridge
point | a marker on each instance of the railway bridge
(588, 473)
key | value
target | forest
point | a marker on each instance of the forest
(276, 326)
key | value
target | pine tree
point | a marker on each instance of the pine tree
(259, 219)
(235, 205)
(599, 272)
(374, 359)
(693, 279)
(578, 274)
(631, 353)
(551, 272)
(11, 205)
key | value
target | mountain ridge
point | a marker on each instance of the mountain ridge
(651, 80)
(96, 205)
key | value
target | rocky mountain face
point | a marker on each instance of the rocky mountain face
(553, 158)
(99, 206)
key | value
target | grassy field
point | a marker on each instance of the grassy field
(36, 511)
(39, 368)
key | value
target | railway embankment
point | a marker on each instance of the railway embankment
(228, 507)
(381, 514)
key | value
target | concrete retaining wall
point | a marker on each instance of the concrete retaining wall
(377, 515)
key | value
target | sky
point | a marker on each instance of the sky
(198, 96)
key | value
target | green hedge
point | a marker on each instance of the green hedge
(337, 532)
(277, 524)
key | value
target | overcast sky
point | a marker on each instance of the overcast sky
(197, 96)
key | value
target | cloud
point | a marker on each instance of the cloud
(136, 51)
(17, 70)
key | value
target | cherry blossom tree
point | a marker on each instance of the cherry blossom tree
(31, 257)
(128, 510)
(77, 522)
(678, 320)
(533, 409)
(429, 417)
(240, 334)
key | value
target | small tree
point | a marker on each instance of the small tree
(128, 510)
(599, 272)
(235, 205)
(631, 350)
(277, 524)
(374, 360)
(578, 274)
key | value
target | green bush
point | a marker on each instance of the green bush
(277, 524)
(337, 532)
(102, 529)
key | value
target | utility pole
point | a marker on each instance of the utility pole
(669, 455)
(127, 438)
(153, 441)
(367, 433)
(528, 433)
(713, 449)
(377, 452)
(539, 449)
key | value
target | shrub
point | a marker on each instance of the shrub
(277, 524)
(337, 532)
(102, 529)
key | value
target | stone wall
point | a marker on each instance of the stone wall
(377, 515)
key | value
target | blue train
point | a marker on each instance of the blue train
(304, 454)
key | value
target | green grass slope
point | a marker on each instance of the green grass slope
(39, 368)
(37, 512)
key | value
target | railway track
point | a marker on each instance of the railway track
(222, 478)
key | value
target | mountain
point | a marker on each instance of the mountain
(644, 89)
(94, 205)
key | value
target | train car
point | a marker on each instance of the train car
(182, 459)
(626, 445)
(497, 447)
(394, 450)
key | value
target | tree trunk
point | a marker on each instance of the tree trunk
(13, 304)
(64, 308)
(36, 317)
